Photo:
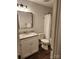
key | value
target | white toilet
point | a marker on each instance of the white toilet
(47, 27)
(45, 42)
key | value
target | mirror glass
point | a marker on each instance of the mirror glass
(25, 19)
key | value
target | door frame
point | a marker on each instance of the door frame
(56, 29)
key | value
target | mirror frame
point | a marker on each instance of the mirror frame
(18, 19)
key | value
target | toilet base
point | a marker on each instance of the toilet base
(44, 46)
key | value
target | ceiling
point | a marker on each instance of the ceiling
(42, 2)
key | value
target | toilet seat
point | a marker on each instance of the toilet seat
(45, 41)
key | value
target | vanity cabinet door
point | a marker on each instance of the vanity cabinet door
(25, 47)
(34, 45)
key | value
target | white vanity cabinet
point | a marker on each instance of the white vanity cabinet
(29, 46)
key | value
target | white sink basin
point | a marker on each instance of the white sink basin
(25, 35)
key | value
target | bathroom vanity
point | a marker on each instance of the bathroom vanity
(29, 44)
(28, 39)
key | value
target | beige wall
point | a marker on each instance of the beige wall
(38, 14)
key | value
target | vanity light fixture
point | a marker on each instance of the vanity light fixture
(21, 5)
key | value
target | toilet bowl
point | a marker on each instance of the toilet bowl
(44, 43)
